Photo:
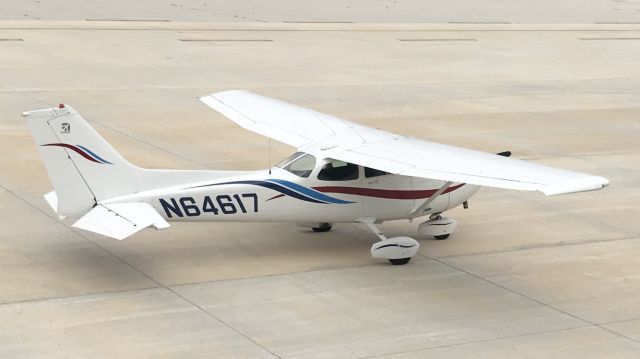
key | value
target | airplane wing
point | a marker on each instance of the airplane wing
(120, 220)
(282, 121)
(331, 137)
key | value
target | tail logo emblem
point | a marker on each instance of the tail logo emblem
(66, 127)
(82, 151)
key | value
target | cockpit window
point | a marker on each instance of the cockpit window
(336, 170)
(300, 164)
(287, 160)
(372, 172)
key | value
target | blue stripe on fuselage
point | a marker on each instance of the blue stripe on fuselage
(287, 188)
(309, 192)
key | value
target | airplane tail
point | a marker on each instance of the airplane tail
(82, 166)
(84, 169)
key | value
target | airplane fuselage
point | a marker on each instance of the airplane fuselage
(264, 196)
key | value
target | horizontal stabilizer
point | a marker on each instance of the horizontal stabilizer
(120, 220)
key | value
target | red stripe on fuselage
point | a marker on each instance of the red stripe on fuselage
(276, 196)
(385, 193)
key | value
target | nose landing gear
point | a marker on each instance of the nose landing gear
(438, 227)
(398, 250)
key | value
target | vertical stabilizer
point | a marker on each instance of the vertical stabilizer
(82, 166)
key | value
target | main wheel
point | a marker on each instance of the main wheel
(444, 236)
(324, 227)
(399, 262)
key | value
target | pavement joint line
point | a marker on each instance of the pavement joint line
(358, 84)
(229, 326)
(50, 299)
(540, 246)
(580, 155)
(159, 284)
(286, 274)
(609, 38)
(540, 302)
(147, 142)
(436, 40)
(131, 20)
(601, 326)
(479, 22)
(488, 340)
(182, 285)
(322, 22)
(619, 321)
(580, 215)
(63, 297)
(88, 28)
(83, 236)
(225, 40)
(23, 93)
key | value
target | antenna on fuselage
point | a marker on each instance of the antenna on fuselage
(269, 155)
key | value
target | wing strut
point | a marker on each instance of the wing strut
(424, 206)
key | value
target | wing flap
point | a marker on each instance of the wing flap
(120, 220)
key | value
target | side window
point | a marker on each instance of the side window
(338, 171)
(372, 172)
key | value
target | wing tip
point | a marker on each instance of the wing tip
(582, 184)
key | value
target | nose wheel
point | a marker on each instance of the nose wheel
(438, 227)
(397, 250)
(399, 262)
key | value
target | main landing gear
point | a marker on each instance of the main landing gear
(317, 226)
(398, 250)
(322, 227)
(438, 227)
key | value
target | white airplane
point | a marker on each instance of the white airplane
(342, 172)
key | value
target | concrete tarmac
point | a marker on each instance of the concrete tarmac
(524, 276)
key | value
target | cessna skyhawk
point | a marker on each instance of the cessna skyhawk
(342, 172)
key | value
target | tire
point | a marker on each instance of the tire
(325, 227)
(399, 262)
(442, 237)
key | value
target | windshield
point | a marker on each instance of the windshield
(300, 164)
